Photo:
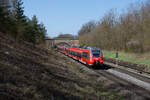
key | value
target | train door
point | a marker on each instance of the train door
(85, 56)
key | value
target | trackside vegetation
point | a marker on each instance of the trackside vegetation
(130, 57)
(128, 31)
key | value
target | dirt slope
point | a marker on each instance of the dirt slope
(28, 72)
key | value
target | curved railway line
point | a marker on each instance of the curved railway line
(136, 84)
(135, 67)
(124, 84)
(129, 71)
(127, 80)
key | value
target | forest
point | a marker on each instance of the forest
(15, 23)
(127, 31)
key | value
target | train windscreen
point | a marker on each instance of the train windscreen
(96, 53)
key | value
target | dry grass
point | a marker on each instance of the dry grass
(28, 72)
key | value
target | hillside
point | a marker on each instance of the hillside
(28, 72)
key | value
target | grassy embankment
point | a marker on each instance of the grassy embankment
(130, 57)
(29, 72)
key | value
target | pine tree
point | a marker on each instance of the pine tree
(38, 31)
(4, 17)
(43, 32)
(19, 26)
(20, 19)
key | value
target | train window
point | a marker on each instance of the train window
(85, 54)
(71, 52)
(96, 53)
(75, 53)
(80, 55)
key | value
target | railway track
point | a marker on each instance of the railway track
(129, 71)
(127, 85)
(136, 84)
(137, 68)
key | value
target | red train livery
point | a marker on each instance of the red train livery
(87, 55)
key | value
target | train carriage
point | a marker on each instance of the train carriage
(87, 55)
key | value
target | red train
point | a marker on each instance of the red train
(87, 55)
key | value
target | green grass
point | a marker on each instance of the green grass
(130, 57)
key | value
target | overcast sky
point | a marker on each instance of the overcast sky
(67, 16)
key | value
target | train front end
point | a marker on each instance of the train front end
(96, 57)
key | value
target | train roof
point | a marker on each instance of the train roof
(82, 47)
